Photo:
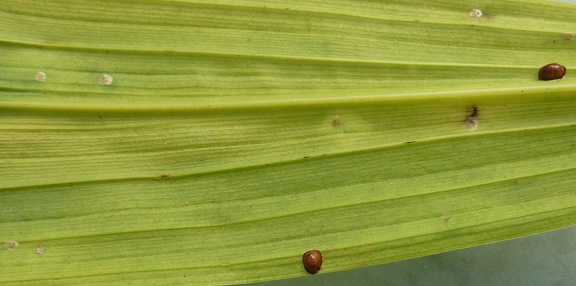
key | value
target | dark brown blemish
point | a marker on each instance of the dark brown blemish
(474, 111)
(447, 222)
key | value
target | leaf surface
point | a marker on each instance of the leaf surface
(236, 135)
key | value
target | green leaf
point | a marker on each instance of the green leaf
(236, 135)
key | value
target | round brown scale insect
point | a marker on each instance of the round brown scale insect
(551, 72)
(312, 261)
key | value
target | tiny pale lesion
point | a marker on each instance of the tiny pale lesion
(336, 121)
(471, 122)
(41, 249)
(11, 245)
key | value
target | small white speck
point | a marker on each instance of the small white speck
(11, 245)
(476, 13)
(40, 250)
(41, 77)
(471, 123)
(106, 79)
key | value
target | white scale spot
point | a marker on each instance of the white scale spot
(11, 245)
(41, 77)
(106, 79)
(471, 123)
(476, 13)
(40, 250)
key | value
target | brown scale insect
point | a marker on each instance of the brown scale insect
(551, 72)
(312, 261)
